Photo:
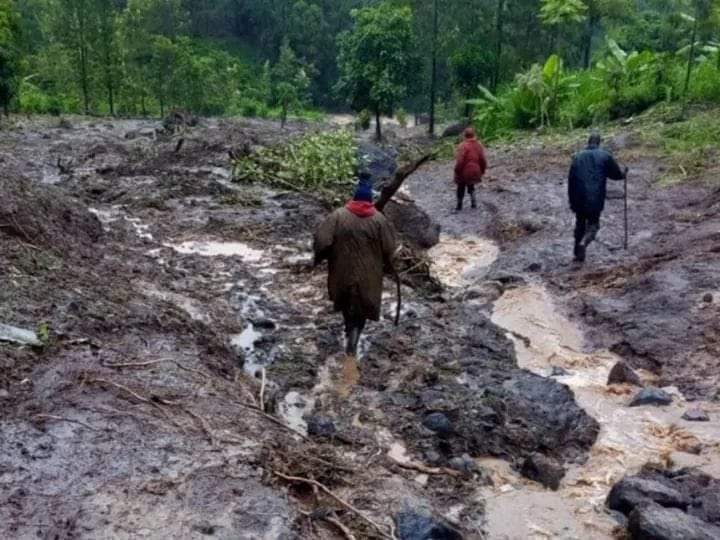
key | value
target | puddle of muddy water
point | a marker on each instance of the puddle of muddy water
(459, 261)
(219, 249)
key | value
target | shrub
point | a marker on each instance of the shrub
(364, 118)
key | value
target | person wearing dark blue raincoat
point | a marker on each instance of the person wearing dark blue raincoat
(587, 182)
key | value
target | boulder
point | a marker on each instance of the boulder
(320, 426)
(413, 525)
(19, 336)
(632, 491)
(439, 423)
(696, 415)
(621, 373)
(653, 522)
(543, 470)
(651, 396)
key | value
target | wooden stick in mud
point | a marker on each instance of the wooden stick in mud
(342, 502)
(401, 174)
(262, 391)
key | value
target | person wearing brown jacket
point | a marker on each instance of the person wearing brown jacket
(359, 243)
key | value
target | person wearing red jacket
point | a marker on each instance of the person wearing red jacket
(470, 166)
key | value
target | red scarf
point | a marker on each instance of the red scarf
(361, 209)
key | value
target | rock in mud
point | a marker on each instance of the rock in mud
(148, 133)
(651, 396)
(439, 423)
(632, 491)
(379, 163)
(621, 373)
(696, 415)
(653, 522)
(320, 426)
(558, 371)
(464, 464)
(19, 336)
(454, 130)
(412, 525)
(413, 223)
(544, 470)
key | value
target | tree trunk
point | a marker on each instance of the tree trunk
(378, 127)
(589, 33)
(400, 175)
(283, 117)
(691, 59)
(433, 77)
(498, 43)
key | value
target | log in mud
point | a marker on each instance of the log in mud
(187, 379)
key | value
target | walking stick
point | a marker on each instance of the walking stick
(626, 215)
(399, 298)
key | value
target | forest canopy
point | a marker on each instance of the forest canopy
(527, 63)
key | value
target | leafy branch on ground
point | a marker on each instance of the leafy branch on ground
(318, 162)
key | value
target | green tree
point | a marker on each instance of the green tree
(9, 53)
(558, 14)
(377, 60)
(289, 82)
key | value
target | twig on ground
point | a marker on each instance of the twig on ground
(272, 419)
(415, 466)
(204, 424)
(342, 502)
(63, 419)
(262, 390)
(135, 364)
(332, 520)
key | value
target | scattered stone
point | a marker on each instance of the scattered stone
(696, 415)
(439, 423)
(412, 525)
(464, 464)
(264, 324)
(558, 371)
(4, 394)
(651, 396)
(708, 298)
(19, 336)
(632, 491)
(534, 267)
(621, 373)
(653, 522)
(543, 470)
(320, 426)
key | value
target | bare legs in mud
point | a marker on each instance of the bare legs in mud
(461, 196)
(586, 228)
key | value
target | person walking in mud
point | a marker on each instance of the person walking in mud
(587, 182)
(359, 244)
(470, 167)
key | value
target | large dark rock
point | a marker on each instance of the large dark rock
(651, 396)
(543, 470)
(378, 162)
(412, 525)
(413, 223)
(621, 373)
(654, 522)
(319, 426)
(455, 130)
(439, 423)
(632, 491)
(696, 415)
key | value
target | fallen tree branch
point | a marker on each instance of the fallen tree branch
(63, 419)
(415, 466)
(332, 520)
(272, 419)
(262, 390)
(340, 501)
(401, 174)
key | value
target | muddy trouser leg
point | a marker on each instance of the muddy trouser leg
(593, 226)
(579, 228)
(473, 200)
(460, 195)
(354, 325)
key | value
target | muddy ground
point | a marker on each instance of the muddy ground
(163, 292)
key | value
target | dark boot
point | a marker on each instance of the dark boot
(579, 253)
(473, 200)
(352, 337)
(459, 206)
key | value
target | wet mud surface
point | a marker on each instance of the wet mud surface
(175, 307)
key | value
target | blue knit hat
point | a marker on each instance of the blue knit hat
(364, 191)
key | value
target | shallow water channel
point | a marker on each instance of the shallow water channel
(544, 339)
